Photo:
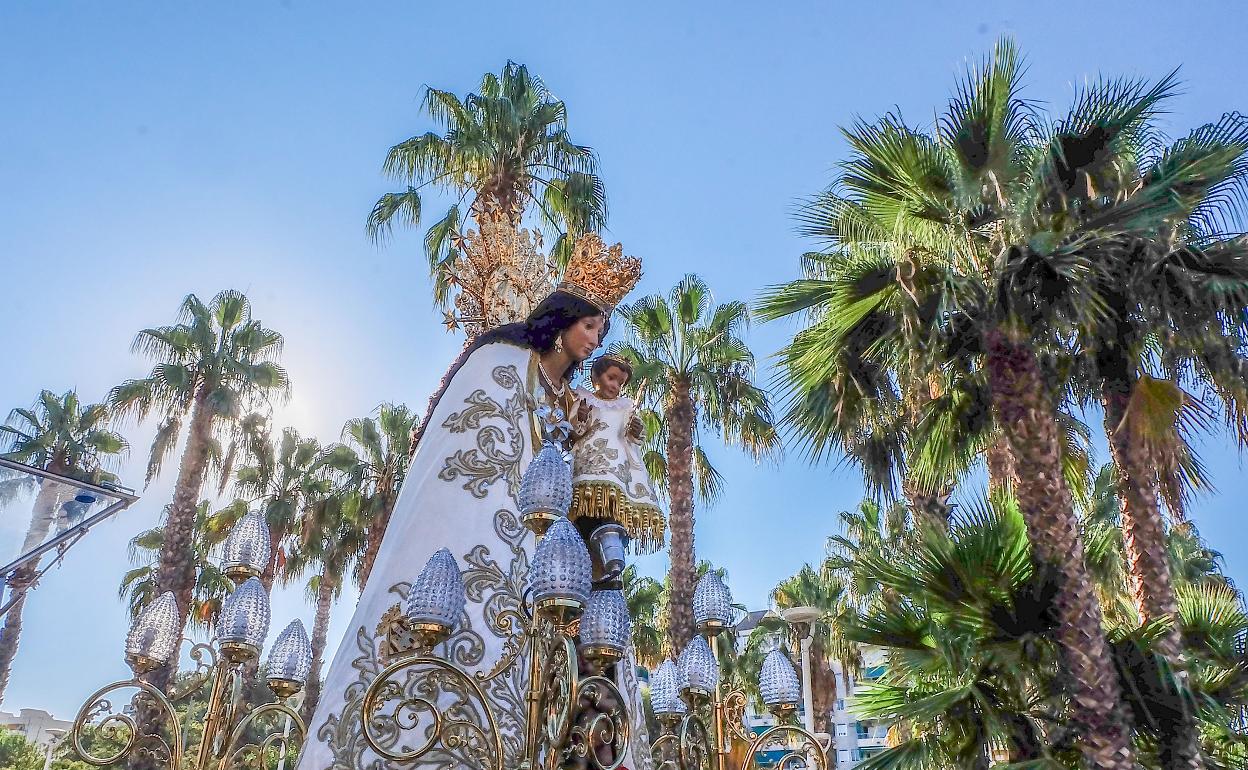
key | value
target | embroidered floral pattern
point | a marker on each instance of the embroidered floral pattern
(499, 448)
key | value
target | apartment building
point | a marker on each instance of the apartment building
(37, 726)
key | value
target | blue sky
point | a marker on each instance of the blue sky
(150, 150)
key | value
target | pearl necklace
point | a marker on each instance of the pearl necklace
(559, 391)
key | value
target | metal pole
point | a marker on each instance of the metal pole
(722, 749)
(808, 697)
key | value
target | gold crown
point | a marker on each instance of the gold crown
(598, 274)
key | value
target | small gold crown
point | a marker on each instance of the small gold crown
(614, 358)
(598, 274)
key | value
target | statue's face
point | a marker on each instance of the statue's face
(584, 336)
(611, 382)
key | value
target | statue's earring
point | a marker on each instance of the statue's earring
(558, 344)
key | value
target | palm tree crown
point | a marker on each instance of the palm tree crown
(217, 356)
(62, 435)
(375, 454)
(504, 148)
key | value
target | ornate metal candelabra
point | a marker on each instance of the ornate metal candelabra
(565, 620)
(685, 693)
(232, 736)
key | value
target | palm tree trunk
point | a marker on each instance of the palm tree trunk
(1143, 530)
(375, 532)
(681, 573)
(176, 570)
(1000, 466)
(1025, 412)
(43, 514)
(19, 583)
(931, 509)
(269, 576)
(1148, 560)
(320, 632)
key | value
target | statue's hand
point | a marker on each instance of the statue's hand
(636, 430)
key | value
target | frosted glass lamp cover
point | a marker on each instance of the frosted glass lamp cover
(665, 686)
(546, 486)
(777, 681)
(606, 624)
(248, 548)
(698, 664)
(712, 603)
(290, 658)
(561, 566)
(154, 634)
(244, 615)
(437, 595)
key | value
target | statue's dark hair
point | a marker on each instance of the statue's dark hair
(549, 319)
(539, 331)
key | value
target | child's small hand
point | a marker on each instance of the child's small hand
(636, 430)
(582, 411)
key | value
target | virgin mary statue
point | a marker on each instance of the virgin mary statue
(461, 494)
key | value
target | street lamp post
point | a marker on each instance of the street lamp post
(804, 619)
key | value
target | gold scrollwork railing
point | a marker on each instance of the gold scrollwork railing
(393, 708)
(152, 731)
(430, 707)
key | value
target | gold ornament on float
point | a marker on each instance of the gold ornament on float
(501, 274)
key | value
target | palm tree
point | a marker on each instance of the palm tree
(138, 586)
(378, 454)
(1176, 291)
(871, 528)
(824, 591)
(505, 148)
(971, 665)
(643, 595)
(283, 478)
(1192, 561)
(690, 363)
(212, 367)
(973, 659)
(331, 539)
(988, 222)
(62, 436)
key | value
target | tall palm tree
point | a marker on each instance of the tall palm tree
(61, 435)
(377, 454)
(212, 367)
(690, 363)
(139, 588)
(823, 590)
(1176, 292)
(332, 537)
(963, 218)
(643, 595)
(282, 478)
(504, 148)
